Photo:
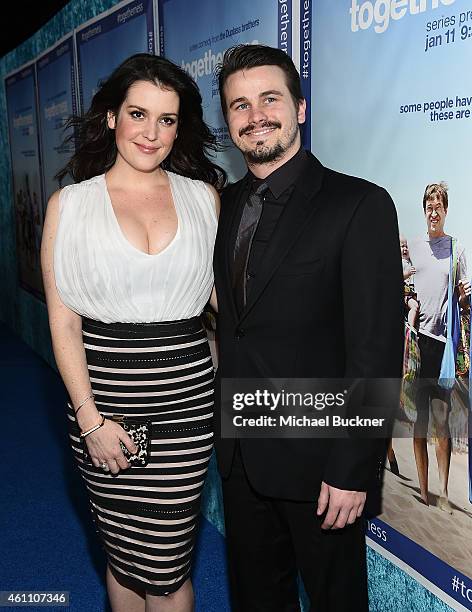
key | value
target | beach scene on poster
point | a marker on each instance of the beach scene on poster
(24, 149)
(396, 109)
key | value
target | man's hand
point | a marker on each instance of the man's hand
(343, 506)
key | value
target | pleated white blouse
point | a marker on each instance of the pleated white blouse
(99, 274)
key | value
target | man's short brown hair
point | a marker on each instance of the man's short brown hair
(245, 57)
(436, 189)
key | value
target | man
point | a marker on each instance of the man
(298, 298)
(430, 256)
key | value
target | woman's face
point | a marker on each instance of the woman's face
(146, 126)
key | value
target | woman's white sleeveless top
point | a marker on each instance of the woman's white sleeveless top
(100, 275)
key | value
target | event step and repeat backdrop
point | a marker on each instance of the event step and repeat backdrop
(389, 90)
(42, 95)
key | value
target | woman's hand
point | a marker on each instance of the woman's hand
(104, 447)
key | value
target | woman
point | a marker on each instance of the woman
(127, 266)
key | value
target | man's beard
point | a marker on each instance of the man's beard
(263, 154)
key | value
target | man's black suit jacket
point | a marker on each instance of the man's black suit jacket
(327, 302)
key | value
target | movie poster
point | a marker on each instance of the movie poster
(391, 91)
(25, 162)
(198, 41)
(107, 40)
(56, 103)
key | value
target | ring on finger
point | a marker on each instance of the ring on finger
(105, 466)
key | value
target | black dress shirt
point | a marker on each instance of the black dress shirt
(281, 184)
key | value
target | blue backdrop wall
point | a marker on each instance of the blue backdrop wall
(21, 311)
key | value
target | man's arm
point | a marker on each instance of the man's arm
(463, 286)
(373, 326)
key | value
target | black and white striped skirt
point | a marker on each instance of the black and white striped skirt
(146, 516)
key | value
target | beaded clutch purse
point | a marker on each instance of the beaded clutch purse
(139, 431)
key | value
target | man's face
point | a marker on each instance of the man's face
(262, 116)
(435, 215)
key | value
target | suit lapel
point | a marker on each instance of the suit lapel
(298, 210)
(235, 204)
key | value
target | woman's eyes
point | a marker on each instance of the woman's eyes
(168, 121)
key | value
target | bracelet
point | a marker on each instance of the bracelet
(89, 431)
(91, 396)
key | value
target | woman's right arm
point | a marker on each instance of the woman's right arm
(216, 196)
(66, 333)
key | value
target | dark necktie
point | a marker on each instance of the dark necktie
(247, 228)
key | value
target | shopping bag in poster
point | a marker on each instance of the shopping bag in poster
(411, 370)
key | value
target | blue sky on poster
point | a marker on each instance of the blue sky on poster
(361, 79)
(202, 35)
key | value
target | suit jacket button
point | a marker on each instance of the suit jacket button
(239, 333)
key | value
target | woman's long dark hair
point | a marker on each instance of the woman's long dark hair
(95, 150)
